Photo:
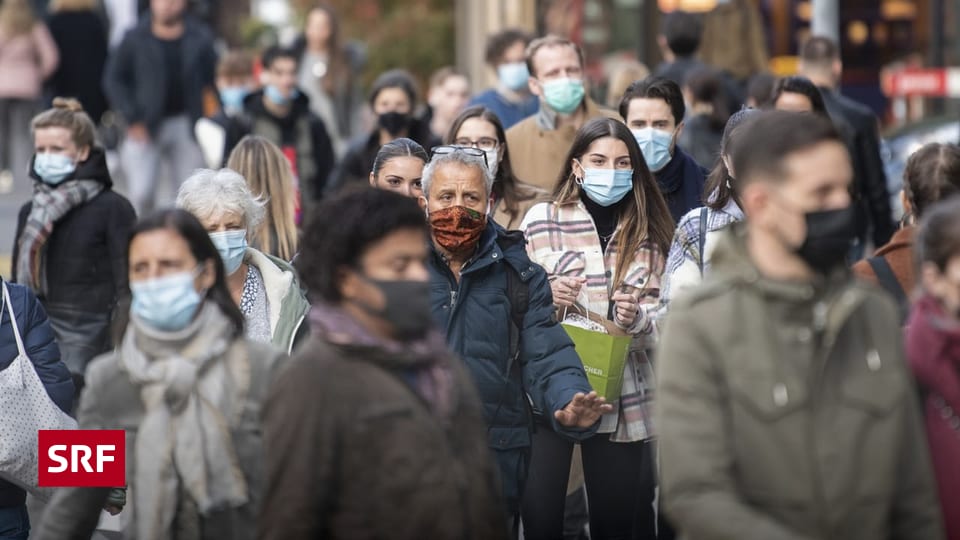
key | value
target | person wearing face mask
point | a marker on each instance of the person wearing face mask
(933, 349)
(698, 231)
(71, 236)
(156, 80)
(281, 114)
(653, 109)
(374, 430)
(393, 99)
(187, 387)
(495, 307)
(784, 407)
(540, 142)
(234, 82)
(478, 127)
(265, 287)
(510, 100)
(602, 242)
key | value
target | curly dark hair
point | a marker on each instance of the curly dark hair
(341, 229)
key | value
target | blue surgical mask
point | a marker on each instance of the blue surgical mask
(513, 75)
(53, 168)
(607, 186)
(276, 96)
(232, 246)
(167, 303)
(563, 95)
(655, 145)
(232, 97)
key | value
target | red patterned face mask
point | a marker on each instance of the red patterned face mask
(457, 229)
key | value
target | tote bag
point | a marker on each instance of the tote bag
(25, 408)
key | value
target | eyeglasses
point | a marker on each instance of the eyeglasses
(484, 143)
(449, 149)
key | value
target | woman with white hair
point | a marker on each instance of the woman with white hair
(266, 288)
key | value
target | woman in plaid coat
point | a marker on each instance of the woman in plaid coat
(602, 243)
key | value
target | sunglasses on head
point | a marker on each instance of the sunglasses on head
(450, 149)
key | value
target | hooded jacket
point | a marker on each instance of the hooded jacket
(933, 349)
(86, 265)
(41, 347)
(785, 410)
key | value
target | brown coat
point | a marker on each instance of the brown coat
(353, 452)
(899, 255)
(537, 155)
(532, 195)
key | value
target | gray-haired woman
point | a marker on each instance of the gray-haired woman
(266, 288)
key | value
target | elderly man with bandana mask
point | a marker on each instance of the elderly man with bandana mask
(496, 308)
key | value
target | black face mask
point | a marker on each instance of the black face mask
(394, 122)
(830, 235)
(407, 307)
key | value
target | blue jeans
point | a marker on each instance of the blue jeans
(14, 523)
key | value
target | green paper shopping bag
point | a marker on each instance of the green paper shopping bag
(603, 351)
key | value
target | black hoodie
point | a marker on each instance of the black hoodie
(86, 255)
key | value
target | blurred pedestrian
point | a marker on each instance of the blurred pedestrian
(329, 73)
(71, 237)
(820, 62)
(393, 99)
(399, 167)
(480, 128)
(447, 96)
(622, 75)
(760, 90)
(234, 83)
(706, 117)
(510, 99)
(28, 55)
(933, 349)
(653, 109)
(798, 94)
(156, 79)
(699, 231)
(495, 306)
(270, 179)
(932, 174)
(784, 406)
(680, 36)
(172, 384)
(608, 219)
(281, 114)
(734, 39)
(374, 430)
(540, 143)
(266, 288)
(81, 37)
(34, 336)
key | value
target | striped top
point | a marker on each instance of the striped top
(564, 240)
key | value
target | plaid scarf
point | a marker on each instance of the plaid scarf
(49, 205)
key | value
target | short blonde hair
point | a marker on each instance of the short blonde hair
(67, 113)
(550, 41)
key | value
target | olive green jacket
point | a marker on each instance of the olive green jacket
(785, 411)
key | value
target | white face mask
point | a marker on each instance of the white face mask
(493, 163)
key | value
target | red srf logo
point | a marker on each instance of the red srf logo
(82, 458)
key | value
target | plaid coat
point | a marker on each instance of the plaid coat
(564, 240)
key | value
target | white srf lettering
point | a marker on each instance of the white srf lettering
(102, 456)
(83, 460)
(53, 454)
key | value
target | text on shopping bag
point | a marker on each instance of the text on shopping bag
(82, 458)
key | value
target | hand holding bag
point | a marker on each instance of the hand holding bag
(25, 408)
(602, 348)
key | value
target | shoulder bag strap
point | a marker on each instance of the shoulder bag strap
(702, 241)
(888, 280)
(13, 321)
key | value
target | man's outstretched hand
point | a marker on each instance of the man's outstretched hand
(583, 410)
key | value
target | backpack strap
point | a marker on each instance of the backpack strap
(519, 294)
(702, 241)
(888, 280)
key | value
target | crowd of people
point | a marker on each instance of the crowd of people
(371, 333)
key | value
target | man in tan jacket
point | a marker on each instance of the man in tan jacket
(539, 144)
(784, 407)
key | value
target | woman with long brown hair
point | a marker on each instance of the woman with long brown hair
(603, 241)
(479, 127)
(270, 178)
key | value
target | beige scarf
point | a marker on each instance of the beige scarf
(189, 393)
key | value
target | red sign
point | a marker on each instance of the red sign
(916, 82)
(82, 458)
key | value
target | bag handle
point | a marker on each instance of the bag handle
(584, 310)
(13, 320)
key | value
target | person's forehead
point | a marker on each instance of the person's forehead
(453, 174)
(406, 242)
(649, 109)
(477, 127)
(555, 54)
(283, 64)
